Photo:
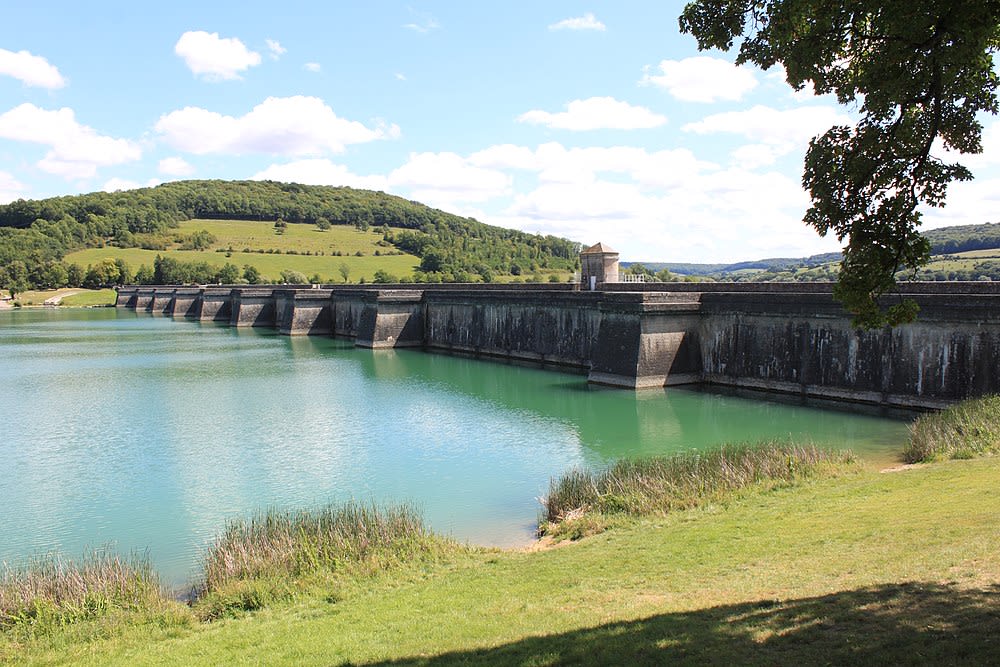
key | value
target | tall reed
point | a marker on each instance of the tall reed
(282, 542)
(681, 481)
(53, 590)
(967, 429)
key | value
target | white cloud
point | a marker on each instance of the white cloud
(319, 172)
(596, 113)
(752, 156)
(31, 70)
(275, 48)
(313, 67)
(782, 131)
(556, 164)
(76, 151)
(400, 76)
(214, 58)
(442, 178)
(651, 205)
(702, 79)
(10, 188)
(505, 156)
(716, 216)
(295, 126)
(969, 203)
(583, 201)
(175, 166)
(586, 22)
(424, 25)
(117, 184)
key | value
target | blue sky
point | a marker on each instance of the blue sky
(597, 121)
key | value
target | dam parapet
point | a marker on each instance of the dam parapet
(778, 337)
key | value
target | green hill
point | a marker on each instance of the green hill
(48, 243)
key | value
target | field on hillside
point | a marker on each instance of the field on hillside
(970, 265)
(240, 234)
(256, 243)
(989, 253)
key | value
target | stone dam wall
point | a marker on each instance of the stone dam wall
(777, 337)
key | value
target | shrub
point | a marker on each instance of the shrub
(290, 277)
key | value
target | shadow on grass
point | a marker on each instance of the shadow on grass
(897, 624)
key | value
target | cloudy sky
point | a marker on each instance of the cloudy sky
(596, 121)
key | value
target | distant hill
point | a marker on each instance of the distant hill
(944, 241)
(36, 235)
(772, 264)
(963, 238)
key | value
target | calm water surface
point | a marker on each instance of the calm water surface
(148, 433)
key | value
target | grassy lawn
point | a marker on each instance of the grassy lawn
(71, 296)
(871, 568)
(243, 235)
(87, 297)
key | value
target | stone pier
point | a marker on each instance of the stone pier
(186, 302)
(304, 311)
(253, 307)
(391, 318)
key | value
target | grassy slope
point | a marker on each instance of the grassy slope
(880, 568)
(76, 296)
(88, 297)
(299, 237)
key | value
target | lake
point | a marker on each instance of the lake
(141, 432)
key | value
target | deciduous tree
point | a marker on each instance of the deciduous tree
(919, 73)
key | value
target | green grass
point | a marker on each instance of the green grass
(970, 428)
(243, 235)
(658, 485)
(299, 237)
(89, 298)
(868, 568)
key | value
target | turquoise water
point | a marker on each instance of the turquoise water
(143, 432)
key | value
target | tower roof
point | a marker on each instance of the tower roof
(600, 249)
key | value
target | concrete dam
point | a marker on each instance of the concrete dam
(778, 337)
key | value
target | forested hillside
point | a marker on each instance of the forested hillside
(35, 236)
(963, 238)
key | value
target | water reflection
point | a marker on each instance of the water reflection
(150, 433)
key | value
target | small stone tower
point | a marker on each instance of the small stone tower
(598, 266)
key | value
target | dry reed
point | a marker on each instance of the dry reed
(663, 484)
(965, 430)
(55, 589)
(278, 542)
